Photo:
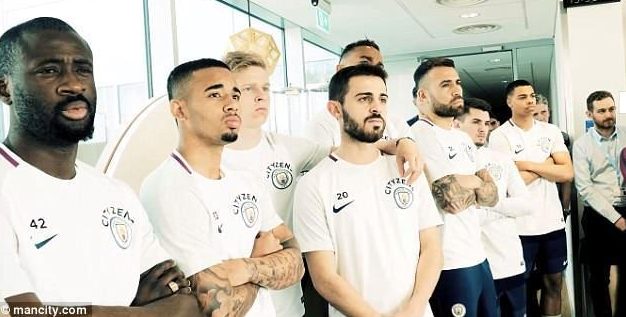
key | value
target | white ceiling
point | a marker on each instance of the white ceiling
(405, 26)
(419, 27)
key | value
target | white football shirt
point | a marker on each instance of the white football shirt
(370, 218)
(84, 240)
(203, 222)
(450, 152)
(536, 145)
(279, 160)
(499, 232)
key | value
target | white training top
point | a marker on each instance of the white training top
(499, 233)
(450, 152)
(279, 160)
(535, 145)
(202, 222)
(80, 241)
(324, 129)
(370, 218)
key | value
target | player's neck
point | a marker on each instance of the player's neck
(356, 152)
(247, 138)
(524, 122)
(54, 160)
(204, 159)
(442, 122)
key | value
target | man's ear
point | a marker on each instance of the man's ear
(5, 95)
(178, 109)
(456, 123)
(334, 108)
(588, 113)
(421, 96)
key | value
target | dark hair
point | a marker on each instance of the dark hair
(514, 84)
(356, 44)
(596, 96)
(11, 41)
(182, 73)
(338, 87)
(474, 103)
(427, 65)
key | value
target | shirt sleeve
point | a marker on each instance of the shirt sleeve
(13, 278)
(585, 186)
(516, 202)
(309, 218)
(402, 127)
(429, 215)
(433, 155)
(559, 144)
(183, 227)
(270, 218)
(498, 142)
(151, 251)
(323, 130)
(308, 153)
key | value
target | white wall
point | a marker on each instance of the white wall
(591, 57)
(399, 86)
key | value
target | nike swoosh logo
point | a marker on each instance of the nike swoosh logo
(450, 156)
(44, 242)
(336, 210)
(518, 151)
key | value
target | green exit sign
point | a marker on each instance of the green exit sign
(323, 20)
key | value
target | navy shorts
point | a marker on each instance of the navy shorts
(468, 292)
(511, 293)
(546, 252)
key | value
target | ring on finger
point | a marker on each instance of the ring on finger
(173, 286)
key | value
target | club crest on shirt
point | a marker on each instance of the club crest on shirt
(280, 174)
(544, 144)
(402, 192)
(458, 310)
(246, 205)
(495, 170)
(119, 222)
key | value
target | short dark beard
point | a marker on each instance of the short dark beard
(229, 137)
(50, 127)
(446, 110)
(351, 127)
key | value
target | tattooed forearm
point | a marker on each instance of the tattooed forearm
(487, 194)
(277, 270)
(217, 297)
(451, 196)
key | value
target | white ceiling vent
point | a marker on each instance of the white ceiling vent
(477, 28)
(459, 3)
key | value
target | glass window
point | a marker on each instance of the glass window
(117, 45)
(319, 67)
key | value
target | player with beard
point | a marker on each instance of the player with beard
(68, 234)
(279, 160)
(371, 240)
(233, 244)
(543, 160)
(458, 184)
(499, 234)
(598, 179)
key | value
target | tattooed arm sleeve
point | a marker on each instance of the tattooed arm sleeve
(451, 196)
(216, 294)
(280, 269)
(487, 193)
